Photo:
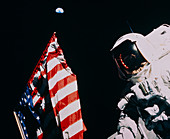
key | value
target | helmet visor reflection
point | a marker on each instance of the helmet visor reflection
(128, 57)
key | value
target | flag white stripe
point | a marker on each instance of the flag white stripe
(35, 99)
(52, 63)
(54, 100)
(50, 49)
(74, 128)
(39, 132)
(43, 104)
(42, 70)
(57, 77)
(68, 89)
(57, 120)
(32, 86)
(62, 93)
(37, 74)
(69, 109)
(53, 46)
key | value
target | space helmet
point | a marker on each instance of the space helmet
(130, 51)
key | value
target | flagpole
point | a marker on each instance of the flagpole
(19, 126)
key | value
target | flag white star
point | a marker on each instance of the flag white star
(38, 118)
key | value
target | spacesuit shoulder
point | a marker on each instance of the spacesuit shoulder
(158, 37)
(160, 40)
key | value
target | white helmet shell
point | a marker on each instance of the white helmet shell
(145, 48)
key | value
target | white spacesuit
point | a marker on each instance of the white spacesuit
(144, 62)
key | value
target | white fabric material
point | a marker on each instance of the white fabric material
(122, 103)
(153, 110)
(126, 133)
(161, 117)
(160, 39)
(128, 123)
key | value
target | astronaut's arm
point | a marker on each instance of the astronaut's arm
(127, 127)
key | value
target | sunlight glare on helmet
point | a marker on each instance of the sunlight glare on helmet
(134, 48)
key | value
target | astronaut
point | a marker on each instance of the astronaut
(144, 63)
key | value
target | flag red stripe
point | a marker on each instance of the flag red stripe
(84, 127)
(67, 100)
(55, 54)
(52, 55)
(54, 71)
(64, 63)
(61, 84)
(43, 72)
(39, 100)
(71, 119)
(40, 136)
(34, 92)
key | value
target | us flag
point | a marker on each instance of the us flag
(50, 107)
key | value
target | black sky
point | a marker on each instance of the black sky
(86, 32)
